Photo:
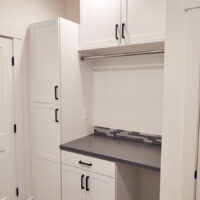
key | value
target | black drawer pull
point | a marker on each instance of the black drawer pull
(56, 95)
(56, 115)
(87, 179)
(116, 32)
(82, 187)
(83, 163)
(123, 26)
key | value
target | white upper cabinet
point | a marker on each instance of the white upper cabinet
(121, 22)
(100, 23)
(142, 21)
(45, 62)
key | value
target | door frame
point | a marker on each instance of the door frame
(16, 34)
(197, 181)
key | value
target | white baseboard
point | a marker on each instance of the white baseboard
(31, 198)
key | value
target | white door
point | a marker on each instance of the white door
(46, 152)
(98, 23)
(99, 187)
(73, 183)
(45, 72)
(144, 20)
(7, 138)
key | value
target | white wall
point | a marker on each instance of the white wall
(128, 93)
(25, 12)
(72, 10)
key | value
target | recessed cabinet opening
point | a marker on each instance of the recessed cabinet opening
(135, 183)
(127, 92)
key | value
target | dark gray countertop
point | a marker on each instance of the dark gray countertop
(117, 150)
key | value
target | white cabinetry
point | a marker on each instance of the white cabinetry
(99, 21)
(45, 62)
(87, 178)
(143, 21)
(100, 187)
(56, 101)
(46, 140)
(114, 22)
(72, 183)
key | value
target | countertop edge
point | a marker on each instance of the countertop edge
(108, 158)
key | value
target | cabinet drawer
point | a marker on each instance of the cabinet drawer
(88, 163)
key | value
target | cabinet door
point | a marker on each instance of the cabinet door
(99, 187)
(7, 136)
(98, 19)
(73, 183)
(45, 70)
(144, 20)
(45, 134)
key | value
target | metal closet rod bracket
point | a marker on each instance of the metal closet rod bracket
(161, 51)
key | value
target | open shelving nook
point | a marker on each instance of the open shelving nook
(127, 93)
(156, 47)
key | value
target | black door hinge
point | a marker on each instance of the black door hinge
(13, 61)
(195, 174)
(15, 128)
(17, 192)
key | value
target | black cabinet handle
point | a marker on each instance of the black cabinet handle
(87, 179)
(116, 32)
(123, 26)
(83, 163)
(56, 95)
(56, 115)
(82, 187)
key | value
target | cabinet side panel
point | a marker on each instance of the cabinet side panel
(149, 187)
(76, 89)
(127, 182)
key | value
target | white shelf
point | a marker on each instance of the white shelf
(138, 47)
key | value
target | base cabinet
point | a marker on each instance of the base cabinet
(78, 184)
(86, 178)
(100, 187)
(89, 178)
(46, 154)
(72, 183)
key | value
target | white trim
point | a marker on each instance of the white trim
(19, 117)
(31, 198)
(144, 66)
(17, 34)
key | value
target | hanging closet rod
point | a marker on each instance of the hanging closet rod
(123, 54)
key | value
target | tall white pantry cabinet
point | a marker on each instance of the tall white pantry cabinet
(56, 101)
